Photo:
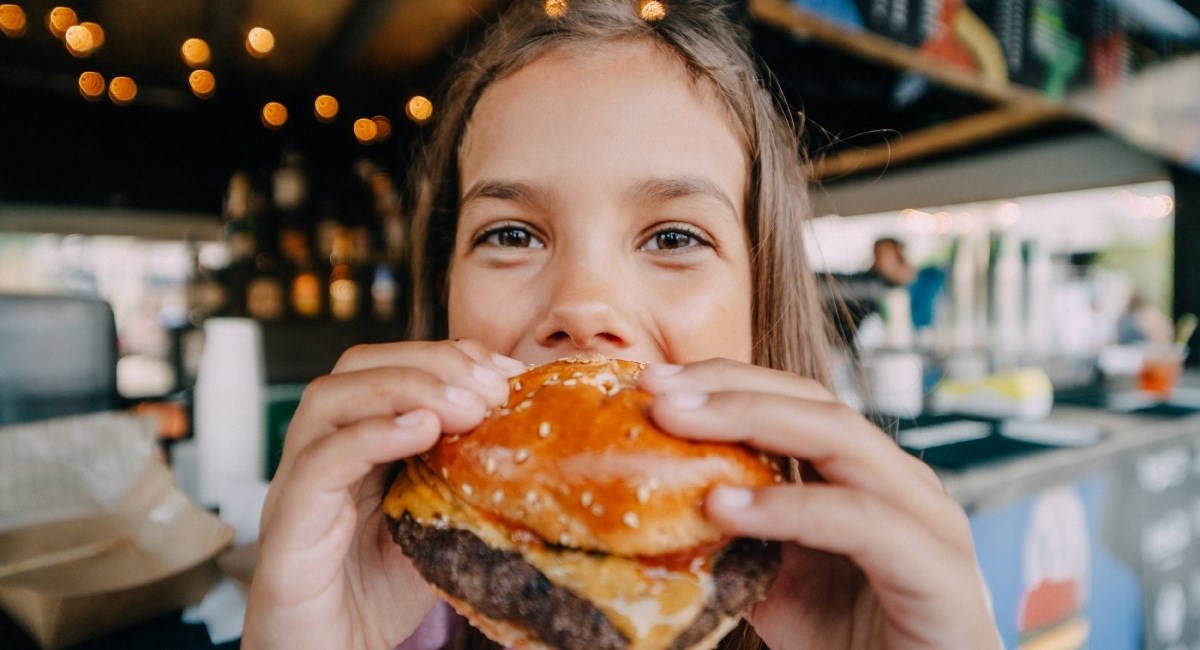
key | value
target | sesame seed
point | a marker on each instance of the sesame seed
(453, 439)
(498, 496)
(517, 384)
(597, 509)
(577, 374)
(524, 405)
(779, 478)
(521, 456)
(570, 382)
(490, 465)
(467, 489)
(630, 519)
(634, 432)
(564, 539)
(643, 494)
(505, 412)
(531, 497)
(585, 499)
(544, 430)
(445, 473)
(551, 380)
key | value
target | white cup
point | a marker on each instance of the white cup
(229, 415)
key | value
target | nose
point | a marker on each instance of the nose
(588, 310)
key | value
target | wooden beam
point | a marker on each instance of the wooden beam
(945, 137)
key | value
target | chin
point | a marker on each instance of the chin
(567, 519)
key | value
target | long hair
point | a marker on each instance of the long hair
(791, 331)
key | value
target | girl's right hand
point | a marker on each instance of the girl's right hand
(328, 573)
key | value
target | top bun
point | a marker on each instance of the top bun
(574, 459)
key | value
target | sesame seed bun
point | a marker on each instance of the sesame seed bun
(574, 458)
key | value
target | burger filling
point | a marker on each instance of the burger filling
(566, 597)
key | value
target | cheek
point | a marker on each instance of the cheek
(480, 307)
(708, 321)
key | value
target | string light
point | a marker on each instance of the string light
(325, 107)
(97, 33)
(419, 109)
(259, 42)
(383, 128)
(122, 90)
(91, 85)
(195, 53)
(59, 19)
(12, 20)
(653, 10)
(274, 115)
(556, 8)
(78, 40)
(365, 130)
(203, 83)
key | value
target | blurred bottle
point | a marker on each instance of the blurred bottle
(344, 288)
(264, 289)
(305, 288)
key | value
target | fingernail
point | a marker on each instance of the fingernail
(461, 396)
(686, 400)
(663, 369)
(731, 498)
(412, 419)
(487, 376)
(508, 365)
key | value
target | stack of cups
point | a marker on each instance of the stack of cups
(229, 419)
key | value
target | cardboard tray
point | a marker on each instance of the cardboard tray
(89, 574)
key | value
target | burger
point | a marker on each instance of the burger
(567, 519)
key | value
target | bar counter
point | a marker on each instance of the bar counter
(1095, 543)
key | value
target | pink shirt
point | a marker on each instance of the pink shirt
(439, 626)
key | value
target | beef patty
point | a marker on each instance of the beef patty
(503, 586)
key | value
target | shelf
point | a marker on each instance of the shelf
(1014, 109)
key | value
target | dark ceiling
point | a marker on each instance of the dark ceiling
(168, 150)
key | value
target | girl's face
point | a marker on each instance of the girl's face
(602, 213)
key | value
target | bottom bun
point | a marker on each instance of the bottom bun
(511, 634)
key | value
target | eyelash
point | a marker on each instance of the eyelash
(695, 234)
(496, 230)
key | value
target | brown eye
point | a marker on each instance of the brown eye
(675, 239)
(509, 236)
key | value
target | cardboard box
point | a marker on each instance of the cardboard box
(113, 561)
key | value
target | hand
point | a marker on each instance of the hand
(875, 553)
(328, 573)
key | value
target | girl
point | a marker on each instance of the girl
(618, 182)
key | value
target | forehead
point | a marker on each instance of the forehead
(602, 98)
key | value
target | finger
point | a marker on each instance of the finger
(427, 354)
(342, 399)
(893, 548)
(842, 445)
(319, 478)
(717, 375)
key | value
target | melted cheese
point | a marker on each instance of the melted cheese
(650, 604)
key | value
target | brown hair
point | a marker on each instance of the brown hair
(790, 328)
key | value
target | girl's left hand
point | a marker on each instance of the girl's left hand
(875, 554)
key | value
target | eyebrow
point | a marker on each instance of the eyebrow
(662, 190)
(658, 190)
(501, 190)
